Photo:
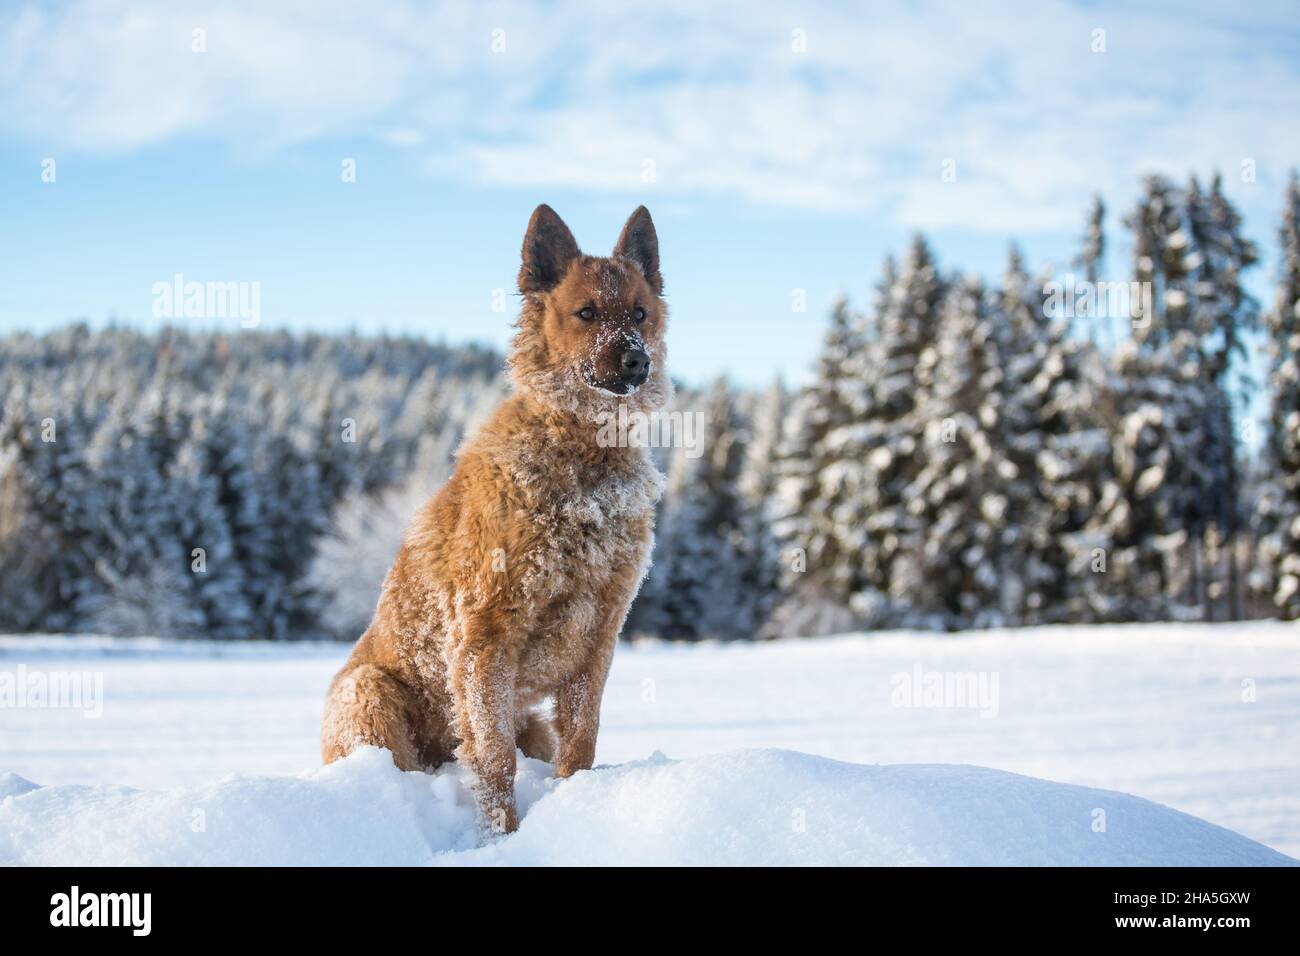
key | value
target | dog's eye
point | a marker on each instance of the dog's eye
(638, 314)
(587, 313)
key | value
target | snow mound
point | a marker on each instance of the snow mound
(740, 808)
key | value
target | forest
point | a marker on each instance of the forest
(965, 454)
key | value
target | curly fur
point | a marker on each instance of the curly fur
(514, 580)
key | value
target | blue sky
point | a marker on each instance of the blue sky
(792, 146)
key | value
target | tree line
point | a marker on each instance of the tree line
(966, 454)
(974, 454)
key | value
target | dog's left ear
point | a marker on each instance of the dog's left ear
(549, 250)
(640, 243)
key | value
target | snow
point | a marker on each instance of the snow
(749, 807)
(787, 752)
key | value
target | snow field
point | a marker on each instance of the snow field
(1205, 719)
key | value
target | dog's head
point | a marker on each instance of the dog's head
(591, 332)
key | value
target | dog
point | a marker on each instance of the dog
(513, 582)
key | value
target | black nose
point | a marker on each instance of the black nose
(635, 364)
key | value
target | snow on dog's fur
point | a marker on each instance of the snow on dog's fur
(513, 582)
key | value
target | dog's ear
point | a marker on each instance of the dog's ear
(549, 249)
(640, 243)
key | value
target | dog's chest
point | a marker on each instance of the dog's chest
(584, 526)
(591, 523)
(566, 586)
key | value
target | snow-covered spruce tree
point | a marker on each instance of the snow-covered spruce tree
(206, 536)
(804, 524)
(766, 414)
(1188, 253)
(37, 545)
(878, 455)
(222, 448)
(851, 454)
(697, 583)
(1030, 559)
(1097, 328)
(1056, 450)
(141, 581)
(1154, 510)
(679, 599)
(956, 572)
(366, 530)
(1280, 505)
(1225, 313)
(1161, 259)
(1155, 405)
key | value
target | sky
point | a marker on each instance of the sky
(783, 150)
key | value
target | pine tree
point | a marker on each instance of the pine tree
(1155, 405)
(700, 553)
(1090, 259)
(1224, 314)
(206, 538)
(863, 458)
(804, 523)
(37, 545)
(757, 485)
(141, 581)
(1280, 507)
(366, 531)
(956, 569)
(1189, 252)
(881, 452)
(1028, 362)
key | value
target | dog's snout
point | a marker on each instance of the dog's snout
(634, 363)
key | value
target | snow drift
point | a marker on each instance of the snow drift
(739, 808)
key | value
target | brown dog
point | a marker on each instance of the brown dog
(513, 582)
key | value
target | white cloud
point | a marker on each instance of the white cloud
(584, 94)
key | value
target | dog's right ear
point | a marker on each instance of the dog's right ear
(549, 249)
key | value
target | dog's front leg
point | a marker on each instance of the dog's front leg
(577, 709)
(483, 670)
(577, 702)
